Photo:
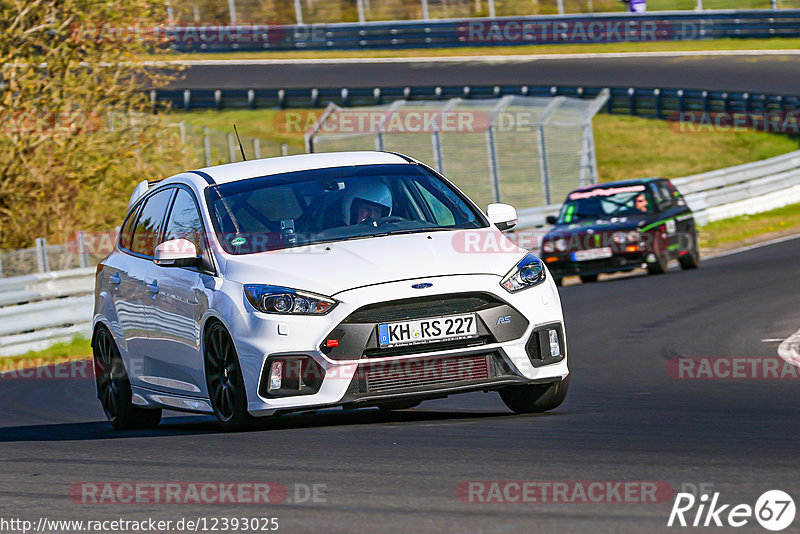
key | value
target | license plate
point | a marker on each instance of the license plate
(427, 330)
(592, 254)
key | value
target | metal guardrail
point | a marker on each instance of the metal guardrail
(646, 102)
(743, 189)
(544, 29)
(748, 188)
(38, 310)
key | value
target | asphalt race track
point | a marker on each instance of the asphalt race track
(625, 419)
(775, 74)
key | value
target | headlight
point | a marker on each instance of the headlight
(528, 272)
(548, 247)
(561, 245)
(283, 300)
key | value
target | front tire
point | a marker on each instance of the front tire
(224, 380)
(535, 398)
(588, 278)
(660, 265)
(114, 387)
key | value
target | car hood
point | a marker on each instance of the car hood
(331, 268)
(621, 224)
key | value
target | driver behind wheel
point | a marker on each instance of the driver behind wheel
(366, 202)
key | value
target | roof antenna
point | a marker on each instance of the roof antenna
(244, 158)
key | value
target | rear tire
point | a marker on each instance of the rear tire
(588, 278)
(114, 387)
(224, 380)
(690, 260)
(535, 398)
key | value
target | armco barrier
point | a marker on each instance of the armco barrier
(646, 102)
(744, 189)
(38, 310)
(505, 31)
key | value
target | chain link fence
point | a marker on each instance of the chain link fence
(213, 147)
(332, 11)
(526, 151)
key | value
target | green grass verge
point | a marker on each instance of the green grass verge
(77, 349)
(750, 228)
(629, 147)
(265, 124)
(511, 50)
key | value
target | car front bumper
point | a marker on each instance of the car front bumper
(563, 265)
(358, 374)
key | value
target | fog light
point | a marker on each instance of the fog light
(275, 375)
(555, 349)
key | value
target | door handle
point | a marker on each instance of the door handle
(153, 288)
(115, 279)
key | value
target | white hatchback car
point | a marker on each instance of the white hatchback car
(305, 282)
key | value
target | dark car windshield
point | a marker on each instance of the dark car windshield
(603, 203)
(314, 206)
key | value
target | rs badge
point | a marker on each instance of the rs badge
(504, 319)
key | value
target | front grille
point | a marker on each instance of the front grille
(426, 373)
(420, 307)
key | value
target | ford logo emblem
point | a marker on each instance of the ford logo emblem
(422, 286)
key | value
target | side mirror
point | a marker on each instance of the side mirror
(177, 253)
(551, 219)
(502, 216)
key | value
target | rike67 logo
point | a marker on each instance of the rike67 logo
(774, 510)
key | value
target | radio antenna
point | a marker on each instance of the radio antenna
(244, 158)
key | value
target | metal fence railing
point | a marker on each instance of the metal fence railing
(213, 147)
(653, 102)
(526, 151)
(741, 190)
(506, 31)
(364, 11)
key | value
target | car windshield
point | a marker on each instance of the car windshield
(603, 203)
(315, 206)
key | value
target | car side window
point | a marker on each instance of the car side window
(659, 195)
(150, 222)
(184, 220)
(127, 229)
(669, 198)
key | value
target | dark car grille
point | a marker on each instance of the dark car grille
(417, 308)
(431, 373)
